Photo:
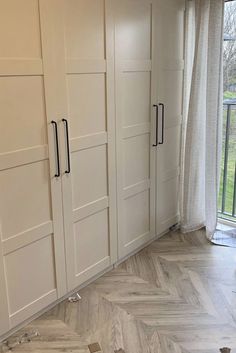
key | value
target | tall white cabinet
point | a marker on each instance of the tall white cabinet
(134, 81)
(84, 177)
(149, 64)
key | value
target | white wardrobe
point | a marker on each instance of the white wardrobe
(90, 132)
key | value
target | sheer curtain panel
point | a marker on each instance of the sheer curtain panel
(203, 114)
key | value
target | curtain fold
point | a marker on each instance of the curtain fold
(203, 113)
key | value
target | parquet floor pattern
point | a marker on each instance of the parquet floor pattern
(178, 295)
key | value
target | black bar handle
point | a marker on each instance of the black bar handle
(54, 123)
(68, 146)
(163, 123)
(157, 118)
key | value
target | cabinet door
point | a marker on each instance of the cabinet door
(134, 44)
(170, 63)
(32, 269)
(83, 46)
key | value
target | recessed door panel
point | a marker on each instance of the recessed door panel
(20, 29)
(20, 98)
(136, 96)
(89, 178)
(133, 29)
(92, 242)
(21, 274)
(23, 204)
(87, 104)
(172, 92)
(136, 160)
(171, 19)
(84, 29)
(169, 195)
(138, 225)
(169, 155)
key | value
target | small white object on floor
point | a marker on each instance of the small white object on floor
(75, 298)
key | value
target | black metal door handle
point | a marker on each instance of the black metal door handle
(163, 123)
(68, 146)
(54, 123)
(156, 106)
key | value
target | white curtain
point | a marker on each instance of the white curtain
(203, 113)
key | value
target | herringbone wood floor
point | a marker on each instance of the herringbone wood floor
(178, 295)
